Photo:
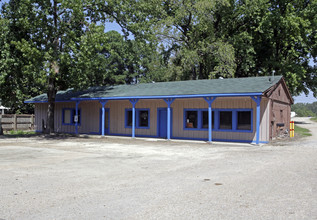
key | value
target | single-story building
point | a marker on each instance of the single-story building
(252, 110)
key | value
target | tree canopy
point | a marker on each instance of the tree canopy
(50, 45)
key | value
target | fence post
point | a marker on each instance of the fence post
(1, 131)
(15, 122)
(32, 122)
(292, 129)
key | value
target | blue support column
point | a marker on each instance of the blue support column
(76, 122)
(133, 102)
(103, 103)
(169, 101)
(209, 100)
(257, 100)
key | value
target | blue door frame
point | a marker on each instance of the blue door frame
(100, 121)
(162, 122)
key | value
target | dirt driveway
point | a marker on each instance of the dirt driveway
(119, 178)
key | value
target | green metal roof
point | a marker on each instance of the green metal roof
(176, 88)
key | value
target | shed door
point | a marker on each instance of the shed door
(162, 121)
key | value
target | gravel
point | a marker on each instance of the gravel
(121, 178)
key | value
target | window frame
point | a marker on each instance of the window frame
(232, 120)
(216, 121)
(72, 112)
(251, 115)
(137, 119)
(199, 118)
(126, 118)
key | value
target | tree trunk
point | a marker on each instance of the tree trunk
(51, 93)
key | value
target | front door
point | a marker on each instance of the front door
(107, 122)
(162, 122)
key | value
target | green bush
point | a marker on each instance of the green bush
(305, 109)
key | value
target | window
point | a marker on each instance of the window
(191, 119)
(244, 120)
(225, 120)
(197, 119)
(205, 119)
(129, 118)
(142, 118)
(69, 116)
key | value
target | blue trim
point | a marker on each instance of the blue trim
(93, 133)
(169, 101)
(210, 100)
(100, 121)
(244, 110)
(126, 118)
(128, 135)
(216, 118)
(34, 102)
(133, 102)
(172, 96)
(103, 113)
(158, 119)
(199, 118)
(137, 114)
(220, 140)
(71, 116)
(138, 118)
(158, 97)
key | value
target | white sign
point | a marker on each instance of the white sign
(76, 118)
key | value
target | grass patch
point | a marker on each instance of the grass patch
(302, 131)
(314, 119)
(19, 133)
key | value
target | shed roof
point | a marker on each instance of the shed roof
(214, 87)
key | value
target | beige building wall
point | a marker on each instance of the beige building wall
(90, 114)
(221, 103)
(40, 112)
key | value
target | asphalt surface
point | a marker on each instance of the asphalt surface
(121, 178)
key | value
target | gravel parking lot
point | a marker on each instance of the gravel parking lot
(121, 178)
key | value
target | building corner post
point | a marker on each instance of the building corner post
(76, 122)
(257, 100)
(209, 100)
(103, 103)
(133, 102)
(169, 101)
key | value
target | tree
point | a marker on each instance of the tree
(272, 36)
(53, 45)
(190, 48)
(19, 69)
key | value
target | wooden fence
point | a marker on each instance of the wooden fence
(17, 122)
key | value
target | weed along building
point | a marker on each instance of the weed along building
(252, 110)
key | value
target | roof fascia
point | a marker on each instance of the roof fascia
(170, 96)
(34, 102)
(156, 97)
